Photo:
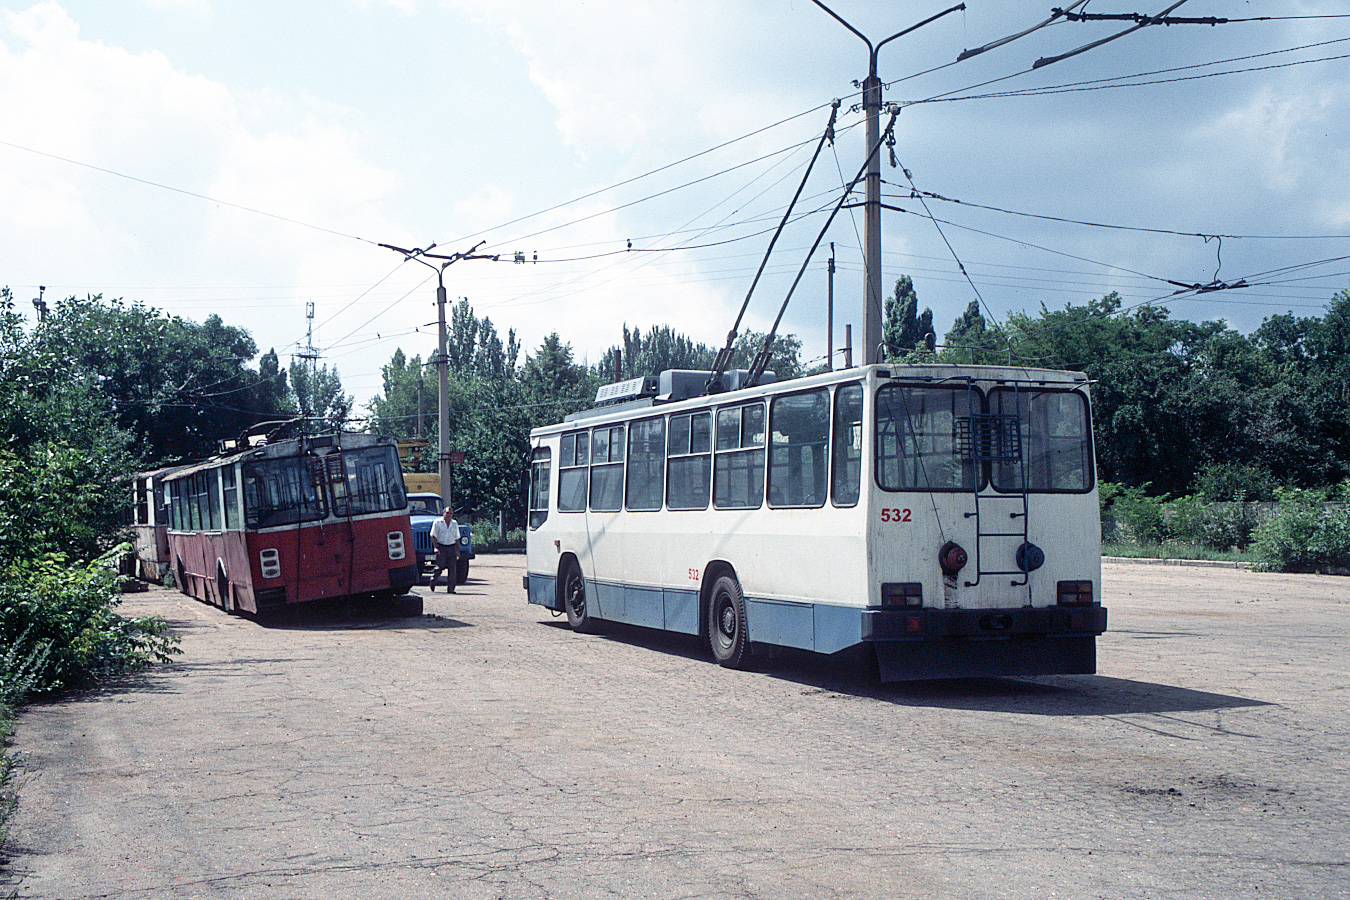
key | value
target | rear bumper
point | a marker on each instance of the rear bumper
(930, 624)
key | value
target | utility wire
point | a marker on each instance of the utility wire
(913, 194)
(176, 190)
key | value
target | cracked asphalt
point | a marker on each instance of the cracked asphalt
(482, 750)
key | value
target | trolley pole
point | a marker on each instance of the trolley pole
(871, 104)
(417, 254)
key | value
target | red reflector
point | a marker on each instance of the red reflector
(913, 624)
(1077, 621)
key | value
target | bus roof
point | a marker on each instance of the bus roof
(923, 373)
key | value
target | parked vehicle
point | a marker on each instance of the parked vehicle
(424, 509)
(944, 516)
(286, 522)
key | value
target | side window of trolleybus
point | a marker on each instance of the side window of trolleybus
(228, 476)
(539, 468)
(1056, 444)
(689, 466)
(607, 469)
(799, 432)
(738, 469)
(573, 460)
(646, 464)
(917, 442)
(847, 445)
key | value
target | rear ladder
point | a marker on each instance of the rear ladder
(995, 439)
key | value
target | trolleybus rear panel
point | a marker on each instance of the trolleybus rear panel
(999, 466)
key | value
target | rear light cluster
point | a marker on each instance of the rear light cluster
(1075, 593)
(269, 562)
(908, 594)
(395, 541)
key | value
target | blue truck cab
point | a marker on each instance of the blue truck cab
(423, 510)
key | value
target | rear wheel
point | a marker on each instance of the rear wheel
(727, 629)
(574, 598)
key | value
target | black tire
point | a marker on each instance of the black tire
(461, 571)
(573, 588)
(728, 634)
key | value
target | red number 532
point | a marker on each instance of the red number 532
(895, 515)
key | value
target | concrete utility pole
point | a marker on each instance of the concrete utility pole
(416, 254)
(829, 315)
(871, 105)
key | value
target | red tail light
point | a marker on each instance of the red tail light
(907, 594)
(1075, 593)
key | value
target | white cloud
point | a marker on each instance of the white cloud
(136, 114)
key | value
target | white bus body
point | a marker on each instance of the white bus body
(945, 515)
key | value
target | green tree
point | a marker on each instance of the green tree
(319, 397)
(177, 386)
(393, 412)
(973, 340)
(905, 329)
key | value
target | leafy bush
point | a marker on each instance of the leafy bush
(1139, 517)
(1303, 535)
(59, 628)
(1214, 526)
(1234, 481)
(487, 537)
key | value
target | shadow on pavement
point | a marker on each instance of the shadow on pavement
(852, 674)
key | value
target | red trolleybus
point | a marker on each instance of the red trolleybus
(310, 518)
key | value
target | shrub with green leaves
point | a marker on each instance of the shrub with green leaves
(1303, 535)
(1139, 517)
(1214, 526)
(59, 628)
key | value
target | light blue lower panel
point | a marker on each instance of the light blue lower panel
(837, 627)
(807, 626)
(781, 623)
(644, 606)
(609, 600)
(544, 590)
(682, 611)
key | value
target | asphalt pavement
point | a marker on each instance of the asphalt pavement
(482, 750)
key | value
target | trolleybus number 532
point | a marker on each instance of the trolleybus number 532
(895, 515)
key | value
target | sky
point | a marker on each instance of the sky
(247, 158)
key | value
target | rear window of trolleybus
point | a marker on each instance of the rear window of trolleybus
(921, 429)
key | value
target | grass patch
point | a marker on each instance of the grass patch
(1173, 550)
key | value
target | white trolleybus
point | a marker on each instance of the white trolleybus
(944, 515)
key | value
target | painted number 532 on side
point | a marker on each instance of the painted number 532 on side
(895, 515)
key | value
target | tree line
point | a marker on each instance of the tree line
(101, 388)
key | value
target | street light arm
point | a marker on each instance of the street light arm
(934, 18)
(838, 18)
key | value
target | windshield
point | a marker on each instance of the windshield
(372, 483)
(280, 492)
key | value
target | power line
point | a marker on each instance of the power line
(176, 190)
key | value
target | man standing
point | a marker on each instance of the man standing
(445, 537)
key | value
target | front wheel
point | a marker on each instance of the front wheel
(579, 616)
(728, 634)
(461, 571)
